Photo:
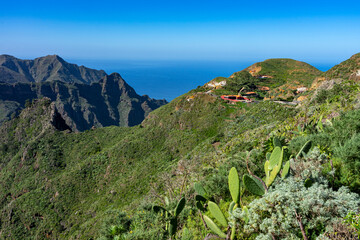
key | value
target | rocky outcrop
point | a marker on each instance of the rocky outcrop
(111, 101)
(38, 118)
(45, 69)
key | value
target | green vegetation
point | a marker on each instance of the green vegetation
(194, 167)
(345, 69)
(286, 71)
(241, 80)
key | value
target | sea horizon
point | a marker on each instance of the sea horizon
(168, 79)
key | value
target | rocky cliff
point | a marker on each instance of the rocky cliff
(111, 101)
(45, 69)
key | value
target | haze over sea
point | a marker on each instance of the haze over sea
(169, 79)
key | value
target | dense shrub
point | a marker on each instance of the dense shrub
(241, 80)
(305, 196)
(319, 206)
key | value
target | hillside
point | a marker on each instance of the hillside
(45, 69)
(282, 70)
(103, 183)
(272, 79)
(347, 69)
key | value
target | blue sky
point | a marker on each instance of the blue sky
(312, 31)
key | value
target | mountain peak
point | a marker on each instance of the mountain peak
(53, 57)
(45, 69)
(116, 75)
(283, 70)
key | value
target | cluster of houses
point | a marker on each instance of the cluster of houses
(246, 97)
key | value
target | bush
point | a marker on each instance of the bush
(306, 196)
(318, 206)
(240, 80)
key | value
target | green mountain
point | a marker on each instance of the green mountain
(45, 69)
(103, 183)
(275, 79)
(347, 69)
(279, 71)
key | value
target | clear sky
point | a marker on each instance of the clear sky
(312, 31)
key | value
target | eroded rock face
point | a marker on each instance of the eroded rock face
(355, 76)
(45, 69)
(111, 101)
(84, 97)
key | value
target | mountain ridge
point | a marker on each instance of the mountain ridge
(111, 101)
(84, 97)
(47, 68)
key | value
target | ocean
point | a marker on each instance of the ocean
(169, 79)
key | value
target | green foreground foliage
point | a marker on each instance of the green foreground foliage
(256, 174)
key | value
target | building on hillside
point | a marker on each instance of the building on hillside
(216, 84)
(301, 90)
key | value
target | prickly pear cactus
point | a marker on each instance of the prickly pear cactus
(214, 227)
(253, 185)
(285, 170)
(234, 185)
(276, 157)
(217, 213)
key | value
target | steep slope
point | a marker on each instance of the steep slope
(111, 101)
(43, 69)
(347, 69)
(73, 181)
(66, 185)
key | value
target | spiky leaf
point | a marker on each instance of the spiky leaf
(214, 227)
(253, 185)
(305, 149)
(276, 157)
(180, 206)
(234, 185)
(285, 170)
(217, 213)
(200, 190)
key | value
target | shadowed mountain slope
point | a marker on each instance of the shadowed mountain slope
(111, 101)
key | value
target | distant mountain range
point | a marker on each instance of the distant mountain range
(45, 69)
(84, 97)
